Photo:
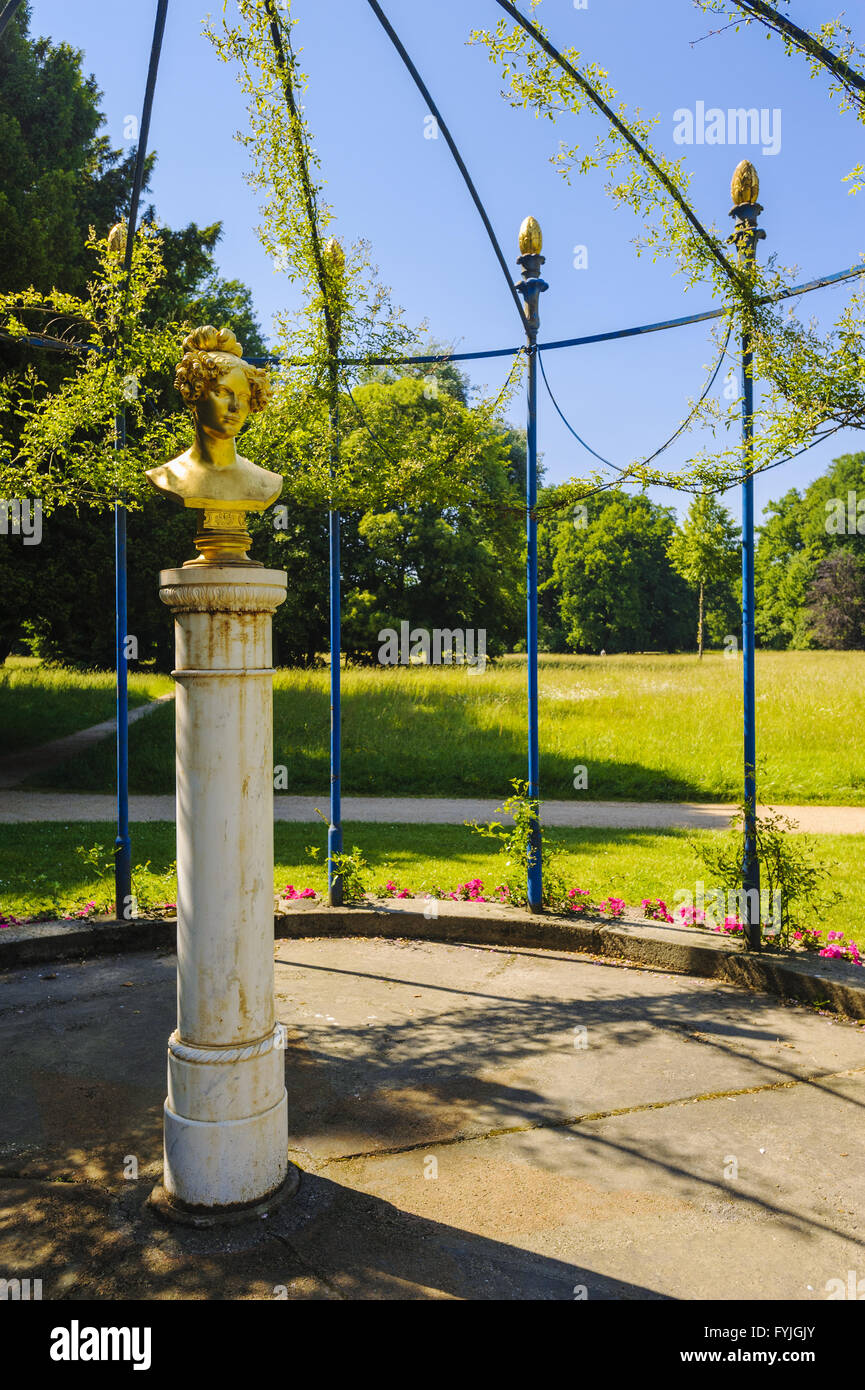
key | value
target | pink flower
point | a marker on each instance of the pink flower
(656, 910)
(291, 893)
(472, 891)
(691, 916)
(730, 925)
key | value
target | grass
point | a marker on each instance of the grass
(40, 703)
(645, 727)
(631, 864)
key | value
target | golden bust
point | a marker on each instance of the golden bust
(221, 390)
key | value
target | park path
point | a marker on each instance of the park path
(14, 767)
(17, 806)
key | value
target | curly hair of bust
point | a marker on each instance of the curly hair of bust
(208, 353)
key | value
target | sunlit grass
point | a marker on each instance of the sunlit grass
(40, 703)
(39, 866)
(645, 727)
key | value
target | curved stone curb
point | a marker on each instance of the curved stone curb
(680, 950)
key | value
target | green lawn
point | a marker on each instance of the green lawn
(645, 727)
(40, 703)
(39, 866)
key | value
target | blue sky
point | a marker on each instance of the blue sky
(403, 193)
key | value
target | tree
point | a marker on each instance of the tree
(836, 601)
(407, 457)
(800, 530)
(615, 587)
(62, 187)
(412, 554)
(59, 178)
(704, 550)
(58, 175)
(192, 290)
(440, 375)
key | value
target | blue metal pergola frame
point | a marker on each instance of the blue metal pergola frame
(530, 289)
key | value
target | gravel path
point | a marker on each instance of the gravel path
(17, 806)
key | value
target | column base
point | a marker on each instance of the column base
(213, 1165)
(167, 1209)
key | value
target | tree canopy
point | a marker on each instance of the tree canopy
(705, 551)
(59, 175)
(800, 532)
(607, 583)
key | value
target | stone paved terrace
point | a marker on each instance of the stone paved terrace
(454, 1141)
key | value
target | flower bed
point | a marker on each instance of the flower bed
(575, 902)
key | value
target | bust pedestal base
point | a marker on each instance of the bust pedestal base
(226, 1126)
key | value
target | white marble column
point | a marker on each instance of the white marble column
(226, 1128)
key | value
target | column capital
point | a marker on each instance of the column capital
(225, 589)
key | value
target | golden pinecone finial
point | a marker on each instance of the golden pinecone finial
(531, 238)
(745, 185)
(117, 239)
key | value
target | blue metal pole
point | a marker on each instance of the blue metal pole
(334, 834)
(535, 888)
(330, 264)
(123, 906)
(122, 846)
(333, 258)
(750, 861)
(530, 288)
(745, 189)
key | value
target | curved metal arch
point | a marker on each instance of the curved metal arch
(452, 146)
(7, 14)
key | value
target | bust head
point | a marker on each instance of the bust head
(220, 389)
(217, 385)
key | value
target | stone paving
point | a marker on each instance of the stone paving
(471, 1122)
